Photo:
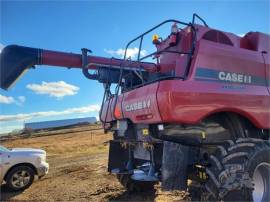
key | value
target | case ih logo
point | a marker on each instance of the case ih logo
(207, 74)
(138, 105)
(234, 77)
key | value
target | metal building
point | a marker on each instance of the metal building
(58, 123)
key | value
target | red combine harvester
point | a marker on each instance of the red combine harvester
(199, 112)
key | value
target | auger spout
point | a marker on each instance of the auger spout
(16, 59)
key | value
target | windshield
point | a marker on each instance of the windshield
(3, 149)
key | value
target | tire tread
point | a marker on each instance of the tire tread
(234, 179)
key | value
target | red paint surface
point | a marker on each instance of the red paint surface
(73, 60)
(190, 101)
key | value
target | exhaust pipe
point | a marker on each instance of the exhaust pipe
(15, 60)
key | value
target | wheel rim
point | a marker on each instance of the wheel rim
(20, 179)
(261, 180)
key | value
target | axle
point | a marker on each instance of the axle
(15, 60)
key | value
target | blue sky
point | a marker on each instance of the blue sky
(105, 27)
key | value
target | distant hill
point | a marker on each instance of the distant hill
(59, 123)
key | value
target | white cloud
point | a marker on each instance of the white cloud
(131, 52)
(57, 89)
(241, 35)
(21, 99)
(6, 99)
(78, 110)
(11, 100)
(9, 128)
(1, 47)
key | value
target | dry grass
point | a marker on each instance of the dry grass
(63, 142)
(78, 169)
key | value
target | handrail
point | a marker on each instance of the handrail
(197, 16)
(141, 36)
(153, 28)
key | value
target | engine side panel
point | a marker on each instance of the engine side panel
(207, 90)
(140, 105)
(223, 77)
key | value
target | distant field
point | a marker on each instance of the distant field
(52, 131)
(78, 168)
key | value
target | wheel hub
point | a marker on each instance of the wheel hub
(261, 180)
(20, 179)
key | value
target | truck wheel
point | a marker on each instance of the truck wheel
(20, 178)
(239, 172)
(134, 186)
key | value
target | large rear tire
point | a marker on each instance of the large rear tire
(223, 127)
(134, 186)
(239, 171)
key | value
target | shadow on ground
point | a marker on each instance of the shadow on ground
(126, 196)
(6, 194)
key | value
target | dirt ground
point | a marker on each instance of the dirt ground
(78, 163)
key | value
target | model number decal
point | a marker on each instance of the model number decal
(138, 105)
(234, 77)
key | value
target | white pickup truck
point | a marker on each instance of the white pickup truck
(18, 166)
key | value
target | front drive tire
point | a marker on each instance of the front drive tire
(20, 178)
(239, 171)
